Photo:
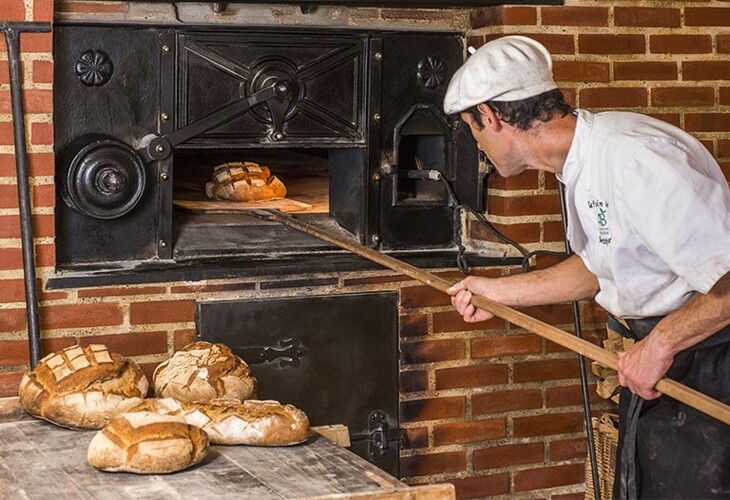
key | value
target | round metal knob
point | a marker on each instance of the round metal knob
(104, 178)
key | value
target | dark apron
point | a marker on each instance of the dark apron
(667, 449)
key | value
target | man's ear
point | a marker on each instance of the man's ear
(489, 117)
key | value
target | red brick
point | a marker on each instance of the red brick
(523, 233)
(723, 44)
(162, 311)
(413, 325)
(548, 477)
(611, 44)
(34, 100)
(481, 486)
(683, 96)
(545, 369)
(705, 70)
(469, 432)
(415, 438)
(433, 463)
(41, 164)
(433, 408)
(706, 16)
(43, 10)
(707, 122)
(43, 226)
(515, 206)
(422, 296)
(570, 395)
(613, 98)
(36, 42)
(13, 10)
(724, 95)
(9, 383)
(453, 322)
(548, 424)
(553, 231)
(12, 319)
(505, 345)
(45, 255)
(80, 315)
(41, 134)
(502, 401)
(471, 376)
(429, 351)
(181, 338)
(413, 381)
(506, 455)
(149, 370)
(645, 70)
(581, 71)
(680, 44)
(568, 449)
(671, 118)
(646, 17)
(554, 314)
(554, 42)
(519, 16)
(17, 352)
(131, 344)
(575, 16)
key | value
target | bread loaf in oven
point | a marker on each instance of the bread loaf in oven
(230, 422)
(82, 387)
(201, 372)
(147, 443)
(244, 181)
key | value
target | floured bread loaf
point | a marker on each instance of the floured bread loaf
(147, 443)
(82, 387)
(244, 181)
(201, 372)
(253, 422)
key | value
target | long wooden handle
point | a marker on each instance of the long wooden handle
(672, 388)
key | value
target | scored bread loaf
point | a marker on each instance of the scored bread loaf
(82, 387)
(147, 443)
(244, 181)
(201, 372)
(231, 422)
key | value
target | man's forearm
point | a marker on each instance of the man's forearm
(700, 317)
(566, 281)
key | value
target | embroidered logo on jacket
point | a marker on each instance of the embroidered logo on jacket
(600, 208)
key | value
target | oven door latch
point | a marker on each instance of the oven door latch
(379, 435)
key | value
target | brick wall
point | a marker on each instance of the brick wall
(489, 407)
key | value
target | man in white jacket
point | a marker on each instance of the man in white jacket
(649, 222)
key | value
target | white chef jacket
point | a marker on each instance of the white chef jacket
(648, 212)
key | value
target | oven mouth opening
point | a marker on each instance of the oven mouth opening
(205, 227)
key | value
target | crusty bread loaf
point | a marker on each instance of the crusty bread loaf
(201, 372)
(147, 443)
(230, 422)
(82, 387)
(244, 181)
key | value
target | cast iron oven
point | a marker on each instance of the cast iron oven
(351, 121)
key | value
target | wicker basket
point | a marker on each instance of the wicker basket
(605, 434)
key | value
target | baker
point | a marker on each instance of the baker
(648, 212)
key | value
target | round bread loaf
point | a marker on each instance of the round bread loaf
(147, 443)
(201, 372)
(230, 422)
(82, 387)
(244, 181)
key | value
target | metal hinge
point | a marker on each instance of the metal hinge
(379, 435)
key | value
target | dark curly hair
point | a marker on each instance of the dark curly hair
(523, 113)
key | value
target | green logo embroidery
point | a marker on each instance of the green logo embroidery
(601, 209)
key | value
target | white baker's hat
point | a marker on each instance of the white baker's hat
(506, 69)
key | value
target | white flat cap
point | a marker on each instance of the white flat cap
(510, 68)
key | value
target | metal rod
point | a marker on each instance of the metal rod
(587, 416)
(12, 38)
(671, 388)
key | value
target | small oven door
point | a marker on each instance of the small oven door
(334, 356)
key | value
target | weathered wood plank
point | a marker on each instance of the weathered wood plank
(39, 461)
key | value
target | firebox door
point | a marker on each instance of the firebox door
(335, 357)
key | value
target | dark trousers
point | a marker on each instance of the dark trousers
(667, 449)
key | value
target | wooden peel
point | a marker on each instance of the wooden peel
(672, 388)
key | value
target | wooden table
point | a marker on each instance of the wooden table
(40, 461)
